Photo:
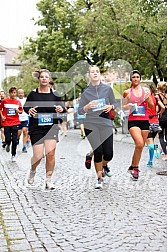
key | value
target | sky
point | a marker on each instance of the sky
(15, 21)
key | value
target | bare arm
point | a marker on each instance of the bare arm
(126, 104)
(161, 105)
(2, 117)
(148, 98)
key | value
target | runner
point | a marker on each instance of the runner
(136, 99)
(2, 96)
(80, 118)
(89, 155)
(162, 93)
(42, 105)
(96, 101)
(154, 126)
(10, 108)
(23, 127)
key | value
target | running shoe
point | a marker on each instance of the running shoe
(24, 150)
(134, 172)
(88, 161)
(161, 152)
(157, 153)
(50, 185)
(150, 164)
(7, 148)
(99, 184)
(130, 169)
(107, 171)
(3, 145)
(13, 159)
(31, 177)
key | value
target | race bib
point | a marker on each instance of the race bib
(138, 110)
(100, 104)
(11, 111)
(61, 115)
(45, 119)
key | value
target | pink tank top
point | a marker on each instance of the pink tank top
(140, 109)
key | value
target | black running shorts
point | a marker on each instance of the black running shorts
(39, 135)
(142, 124)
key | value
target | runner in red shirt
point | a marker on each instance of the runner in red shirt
(10, 108)
(154, 126)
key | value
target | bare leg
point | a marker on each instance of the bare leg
(50, 147)
(105, 162)
(82, 129)
(98, 167)
(37, 155)
(25, 135)
(2, 135)
(65, 128)
(139, 136)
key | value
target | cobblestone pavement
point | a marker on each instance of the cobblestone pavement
(125, 216)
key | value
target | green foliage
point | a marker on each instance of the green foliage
(119, 88)
(117, 121)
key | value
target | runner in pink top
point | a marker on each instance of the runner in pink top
(137, 99)
(139, 111)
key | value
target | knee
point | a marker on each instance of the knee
(140, 145)
(36, 159)
(50, 156)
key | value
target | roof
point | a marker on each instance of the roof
(1, 49)
(11, 55)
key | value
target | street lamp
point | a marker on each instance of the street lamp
(120, 83)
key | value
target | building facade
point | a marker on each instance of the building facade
(9, 64)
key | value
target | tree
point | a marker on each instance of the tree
(102, 31)
(56, 41)
(122, 29)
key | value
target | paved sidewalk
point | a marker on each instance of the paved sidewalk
(125, 216)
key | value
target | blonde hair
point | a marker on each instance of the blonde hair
(161, 86)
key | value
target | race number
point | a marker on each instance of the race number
(45, 119)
